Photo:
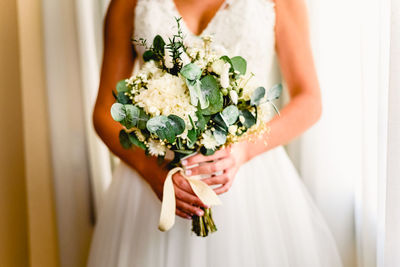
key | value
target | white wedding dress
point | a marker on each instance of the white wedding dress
(267, 219)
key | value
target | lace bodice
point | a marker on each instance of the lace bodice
(244, 28)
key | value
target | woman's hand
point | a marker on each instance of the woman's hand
(222, 166)
(187, 203)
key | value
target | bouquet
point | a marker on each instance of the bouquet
(189, 98)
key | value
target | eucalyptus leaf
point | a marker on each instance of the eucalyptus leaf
(135, 116)
(124, 139)
(158, 44)
(210, 90)
(220, 137)
(230, 114)
(177, 123)
(274, 92)
(118, 112)
(196, 95)
(239, 64)
(166, 127)
(122, 86)
(257, 95)
(219, 120)
(249, 119)
(122, 98)
(191, 72)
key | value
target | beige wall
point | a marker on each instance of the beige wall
(13, 225)
(27, 218)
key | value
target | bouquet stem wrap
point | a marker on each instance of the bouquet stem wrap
(205, 193)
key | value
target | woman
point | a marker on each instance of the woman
(267, 217)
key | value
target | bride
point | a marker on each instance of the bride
(267, 218)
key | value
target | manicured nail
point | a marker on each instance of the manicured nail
(188, 172)
(200, 213)
(184, 162)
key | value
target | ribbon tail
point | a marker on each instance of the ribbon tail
(168, 205)
(205, 193)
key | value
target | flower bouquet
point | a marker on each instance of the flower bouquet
(189, 98)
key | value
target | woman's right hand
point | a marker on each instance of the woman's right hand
(187, 203)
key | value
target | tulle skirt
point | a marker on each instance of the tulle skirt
(267, 219)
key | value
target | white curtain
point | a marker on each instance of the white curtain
(343, 158)
(390, 248)
(89, 15)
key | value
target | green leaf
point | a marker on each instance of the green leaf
(191, 72)
(135, 116)
(148, 55)
(122, 87)
(177, 123)
(185, 152)
(210, 90)
(239, 64)
(196, 95)
(257, 95)
(249, 119)
(220, 136)
(227, 60)
(118, 112)
(230, 114)
(274, 92)
(122, 98)
(166, 127)
(219, 120)
(134, 140)
(192, 137)
(158, 44)
(124, 140)
(201, 121)
(206, 152)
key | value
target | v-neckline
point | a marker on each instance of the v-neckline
(214, 17)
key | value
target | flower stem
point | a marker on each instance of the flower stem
(203, 225)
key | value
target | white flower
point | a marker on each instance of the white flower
(217, 66)
(156, 148)
(234, 96)
(225, 75)
(232, 129)
(168, 60)
(242, 119)
(184, 57)
(208, 140)
(165, 95)
(248, 84)
(150, 67)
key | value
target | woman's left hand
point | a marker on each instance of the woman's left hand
(222, 166)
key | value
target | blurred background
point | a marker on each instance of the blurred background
(54, 170)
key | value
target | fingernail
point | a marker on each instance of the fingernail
(188, 172)
(200, 213)
(184, 162)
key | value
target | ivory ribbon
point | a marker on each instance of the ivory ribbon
(205, 193)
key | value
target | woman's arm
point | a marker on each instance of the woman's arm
(304, 109)
(118, 60)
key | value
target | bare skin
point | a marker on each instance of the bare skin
(296, 62)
